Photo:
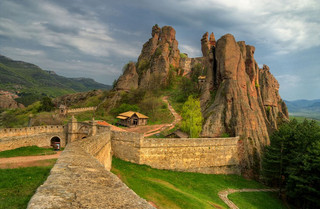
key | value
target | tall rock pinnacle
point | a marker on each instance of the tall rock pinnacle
(237, 98)
(246, 101)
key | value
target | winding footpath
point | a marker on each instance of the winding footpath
(224, 195)
(177, 119)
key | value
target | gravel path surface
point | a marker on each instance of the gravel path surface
(26, 159)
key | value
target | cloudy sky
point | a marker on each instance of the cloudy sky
(81, 38)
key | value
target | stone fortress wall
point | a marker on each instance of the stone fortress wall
(81, 176)
(81, 179)
(83, 109)
(12, 138)
(203, 155)
(8, 132)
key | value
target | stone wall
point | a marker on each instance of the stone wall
(125, 145)
(8, 132)
(202, 155)
(40, 140)
(83, 109)
(99, 146)
(79, 180)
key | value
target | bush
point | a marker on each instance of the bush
(183, 55)
(143, 65)
(124, 108)
(46, 105)
(158, 52)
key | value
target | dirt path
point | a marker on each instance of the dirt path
(149, 130)
(22, 161)
(224, 195)
(177, 119)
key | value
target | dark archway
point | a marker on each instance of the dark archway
(55, 139)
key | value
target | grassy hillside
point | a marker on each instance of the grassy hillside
(32, 82)
(168, 189)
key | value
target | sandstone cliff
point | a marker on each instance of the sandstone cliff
(7, 102)
(129, 79)
(237, 98)
(244, 99)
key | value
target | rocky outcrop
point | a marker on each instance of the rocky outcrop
(237, 98)
(7, 102)
(245, 101)
(76, 99)
(129, 79)
(157, 55)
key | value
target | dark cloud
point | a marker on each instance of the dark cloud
(96, 38)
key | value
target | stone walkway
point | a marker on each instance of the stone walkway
(224, 195)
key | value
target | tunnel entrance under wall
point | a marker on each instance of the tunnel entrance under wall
(54, 139)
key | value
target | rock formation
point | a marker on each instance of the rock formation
(157, 55)
(245, 100)
(129, 79)
(75, 99)
(237, 99)
(7, 102)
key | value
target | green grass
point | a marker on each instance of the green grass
(18, 185)
(27, 151)
(169, 189)
(256, 200)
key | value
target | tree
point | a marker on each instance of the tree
(293, 161)
(303, 185)
(192, 117)
(46, 104)
(275, 156)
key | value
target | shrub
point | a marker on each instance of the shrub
(183, 55)
(225, 135)
(158, 52)
(46, 105)
(143, 65)
(124, 108)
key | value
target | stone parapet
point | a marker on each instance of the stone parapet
(79, 180)
(40, 140)
(126, 145)
(8, 132)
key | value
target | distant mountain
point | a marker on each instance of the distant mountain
(304, 108)
(31, 82)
